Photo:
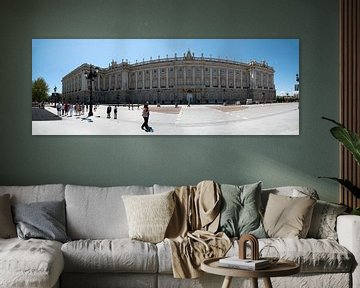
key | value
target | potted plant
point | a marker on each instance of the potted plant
(351, 141)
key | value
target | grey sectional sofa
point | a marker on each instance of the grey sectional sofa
(101, 254)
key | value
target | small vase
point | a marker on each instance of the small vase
(270, 253)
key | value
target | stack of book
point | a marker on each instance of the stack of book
(248, 264)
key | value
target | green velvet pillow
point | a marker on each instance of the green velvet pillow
(240, 212)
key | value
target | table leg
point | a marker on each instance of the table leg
(227, 282)
(267, 283)
(254, 282)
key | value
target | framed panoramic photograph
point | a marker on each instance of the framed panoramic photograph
(165, 87)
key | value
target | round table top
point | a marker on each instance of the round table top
(281, 268)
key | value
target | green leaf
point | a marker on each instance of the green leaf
(347, 184)
(355, 211)
(348, 138)
(333, 121)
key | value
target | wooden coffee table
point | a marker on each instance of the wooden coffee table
(281, 268)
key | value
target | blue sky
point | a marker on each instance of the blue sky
(54, 58)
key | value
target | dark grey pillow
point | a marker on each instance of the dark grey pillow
(240, 213)
(44, 220)
(7, 227)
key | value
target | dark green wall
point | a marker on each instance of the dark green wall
(124, 160)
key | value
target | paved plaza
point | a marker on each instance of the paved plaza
(260, 119)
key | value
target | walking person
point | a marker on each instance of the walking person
(66, 109)
(58, 108)
(71, 109)
(145, 115)
(108, 111)
(77, 109)
(115, 112)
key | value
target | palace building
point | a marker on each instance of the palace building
(176, 80)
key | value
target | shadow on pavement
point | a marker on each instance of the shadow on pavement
(39, 114)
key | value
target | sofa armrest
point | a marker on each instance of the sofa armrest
(348, 230)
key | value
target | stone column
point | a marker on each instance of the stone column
(124, 80)
(158, 74)
(175, 76)
(151, 71)
(227, 77)
(234, 78)
(184, 75)
(167, 77)
(210, 76)
(241, 79)
(115, 84)
(136, 75)
(202, 76)
(219, 83)
(143, 79)
(83, 82)
(252, 78)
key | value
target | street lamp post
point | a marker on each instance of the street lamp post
(55, 98)
(91, 75)
(297, 78)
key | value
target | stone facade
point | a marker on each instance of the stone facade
(178, 80)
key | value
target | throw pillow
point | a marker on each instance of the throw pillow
(291, 191)
(44, 220)
(240, 213)
(323, 222)
(149, 215)
(288, 217)
(7, 226)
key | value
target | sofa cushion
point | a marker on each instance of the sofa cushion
(287, 216)
(313, 255)
(117, 255)
(34, 193)
(240, 210)
(323, 222)
(162, 188)
(291, 191)
(149, 215)
(164, 257)
(43, 220)
(30, 263)
(98, 212)
(7, 226)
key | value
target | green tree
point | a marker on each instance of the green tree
(40, 90)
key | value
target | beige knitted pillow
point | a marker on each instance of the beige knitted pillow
(149, 215)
